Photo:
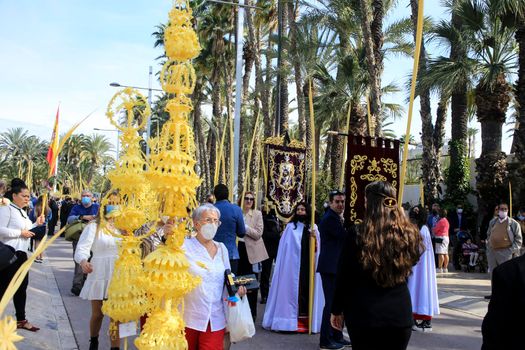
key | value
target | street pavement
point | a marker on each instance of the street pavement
(64, 318)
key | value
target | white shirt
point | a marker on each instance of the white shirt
(205, 303)
(102, 244)
(12, 221)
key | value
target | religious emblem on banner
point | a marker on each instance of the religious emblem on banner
(286, 177)
(368, 160)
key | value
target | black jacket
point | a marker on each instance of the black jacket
(363, 302)
(453, 220)
(333, 235)
(500, 329)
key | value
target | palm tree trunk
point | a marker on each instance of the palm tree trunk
(430, 159)
(491, 166)
(266, 92)
(372, 66)
(518, 143)
(283, 77)
(249, 58)
(292, 14)
(458, 177)
(217, 113)
(336, 153)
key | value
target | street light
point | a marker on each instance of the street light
(118, 138)
(149, 89)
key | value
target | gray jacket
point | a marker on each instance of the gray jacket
(514, 231)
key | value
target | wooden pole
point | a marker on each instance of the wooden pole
(415, 70)
(312, 198)
(510, 199)
(345, 143)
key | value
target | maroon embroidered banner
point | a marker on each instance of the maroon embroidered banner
(286, 179)
(368, 160)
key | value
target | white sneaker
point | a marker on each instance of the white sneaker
(439, 270)
(445, 270)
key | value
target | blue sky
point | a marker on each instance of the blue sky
(69, 52)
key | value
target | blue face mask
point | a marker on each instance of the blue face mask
(521, 217)
(86, 201)
(110, 208)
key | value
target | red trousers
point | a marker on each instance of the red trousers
(208, 340)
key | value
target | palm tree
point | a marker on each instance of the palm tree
(431, 134)
(512, 14)
(451, 77)
(95, 151)
(11, 142)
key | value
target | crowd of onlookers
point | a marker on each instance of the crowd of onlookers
(378, 278)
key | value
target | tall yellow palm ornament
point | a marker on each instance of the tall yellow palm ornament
(173, 179)
(127, 299)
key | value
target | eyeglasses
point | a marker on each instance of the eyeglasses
(212, 221)
(249, 198)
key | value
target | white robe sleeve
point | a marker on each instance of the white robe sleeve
(85, 243)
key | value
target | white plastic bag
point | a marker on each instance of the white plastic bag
(240, 322)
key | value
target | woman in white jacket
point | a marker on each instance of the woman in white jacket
(99, 240)
(14, 232)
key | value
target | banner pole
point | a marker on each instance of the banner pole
(419, 36)
(312, 198)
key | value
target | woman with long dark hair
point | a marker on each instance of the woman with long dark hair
(15, 232)
(371, 294)
(287, 305)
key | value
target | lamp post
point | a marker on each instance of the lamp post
(118, 138)
(149, 89)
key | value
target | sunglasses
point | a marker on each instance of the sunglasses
(249, 198)
(336, 192)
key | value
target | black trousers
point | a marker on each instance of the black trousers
(328, 333)
(267, 272)
(19, 299)
(390, 338)
(245, 268)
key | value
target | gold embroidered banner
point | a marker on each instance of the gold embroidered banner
(286, 179)
(368, 160)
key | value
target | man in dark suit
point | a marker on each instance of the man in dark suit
(459, 225)
(333, 235)
(500, 330)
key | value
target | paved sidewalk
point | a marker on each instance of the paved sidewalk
(50, 302)
(46, 310)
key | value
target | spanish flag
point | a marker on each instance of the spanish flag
(52, 152)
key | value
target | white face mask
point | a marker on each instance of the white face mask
(460, 210)
(502, 214)
(208, 231)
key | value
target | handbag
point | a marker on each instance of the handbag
(239, 320)
(74, 230)
(7, 255)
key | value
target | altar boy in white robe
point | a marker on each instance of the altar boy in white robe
(287, 305)
(422, 283)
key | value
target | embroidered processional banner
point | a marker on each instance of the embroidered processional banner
(368, 160)
(286, 178)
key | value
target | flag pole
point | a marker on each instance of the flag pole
(312, 199)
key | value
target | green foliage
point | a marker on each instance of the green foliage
(457, 176)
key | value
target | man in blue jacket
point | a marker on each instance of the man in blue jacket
(232, 224)
(85, 211)
(333, 235)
